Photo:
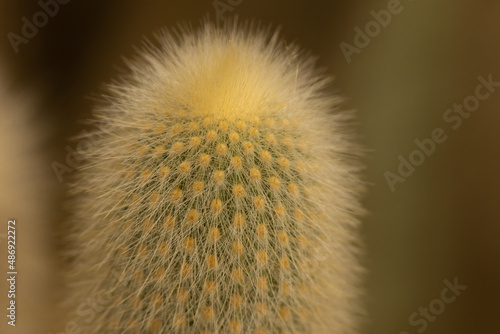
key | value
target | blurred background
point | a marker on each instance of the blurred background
(401, 75)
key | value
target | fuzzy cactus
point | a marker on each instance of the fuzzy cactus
(222, 195)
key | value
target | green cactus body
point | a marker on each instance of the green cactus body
(221, 196)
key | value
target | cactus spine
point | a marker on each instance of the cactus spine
(222, 195)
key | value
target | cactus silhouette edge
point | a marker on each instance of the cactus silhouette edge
(222, 195)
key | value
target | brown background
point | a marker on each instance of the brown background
(440, 224)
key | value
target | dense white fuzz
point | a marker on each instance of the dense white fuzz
(222, 196)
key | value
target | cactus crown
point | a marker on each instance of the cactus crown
(220, 197)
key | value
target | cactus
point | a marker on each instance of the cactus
(222, 195)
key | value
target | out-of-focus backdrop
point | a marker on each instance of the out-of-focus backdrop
(405, 66)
